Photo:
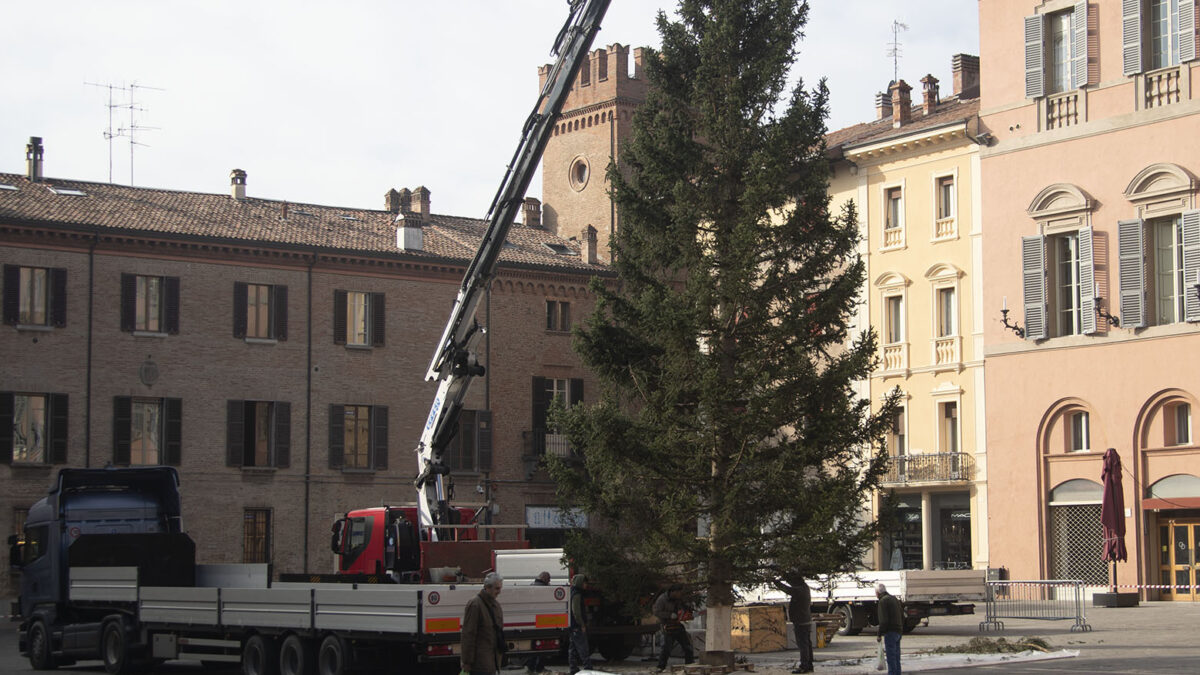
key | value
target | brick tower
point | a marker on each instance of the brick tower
(596, 119)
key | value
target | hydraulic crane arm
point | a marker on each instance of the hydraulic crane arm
(455, 362)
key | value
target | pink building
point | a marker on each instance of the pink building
(1091, 237)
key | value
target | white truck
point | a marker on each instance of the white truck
(924, 593)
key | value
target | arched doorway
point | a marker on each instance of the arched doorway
(1075, 537)
(1178, 536)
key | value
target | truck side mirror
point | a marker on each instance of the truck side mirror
(335, 542)
(15, 554)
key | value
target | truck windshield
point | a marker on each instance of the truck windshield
(358, 535)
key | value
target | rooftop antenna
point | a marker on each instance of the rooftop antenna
(894, 48)
(126, 132)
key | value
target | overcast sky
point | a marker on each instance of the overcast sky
(336, 102)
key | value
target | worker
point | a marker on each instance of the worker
(670, 610)
(891, 627)
(483, 643)
(534, 663)
(800, 612)
(579, 654)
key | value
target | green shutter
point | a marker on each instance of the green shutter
(337, 435)
(173, 431)
(235, 433)
(171, 305)
(379, 437)
(239, 309)
(58, 428)
(339, 317)
(128, 302)
(122, 429)
(279, 310)
(7, 410)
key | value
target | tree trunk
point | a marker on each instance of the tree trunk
(718, 648)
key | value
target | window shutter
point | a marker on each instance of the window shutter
(235, 433)
(12, 294)
(379, 437)
(7, 409)
(1191, 264)
(378, 319)
(1033, 264)
(1187, 31)
(173, 448)
(483, 438)
(339, 317)
(1131, 258)
(1087, 282)
(337, 435)
(1079, 46)
(1131, 36)
(171, 302)
(122, 429)
(58, 297)
(283, 434)
(575, 395)
(1035, 85)
(239, 309)
(279, 300)
(541, 404)
(58, 428)
(128, 302)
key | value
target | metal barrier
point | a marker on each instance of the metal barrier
(1052, 600)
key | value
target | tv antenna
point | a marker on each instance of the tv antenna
(894, 48)
(130, 131)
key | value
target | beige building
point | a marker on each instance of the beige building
(274, 352)
(1092, 235)
(913, 175)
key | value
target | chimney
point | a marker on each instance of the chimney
(237, 182)
(901, 104)
(883, 106)
(533, 212)
(931, 93)
(409, 235)
(33, 159)
(966, 75)
(587, 250)
(420, 201)
(392, 202)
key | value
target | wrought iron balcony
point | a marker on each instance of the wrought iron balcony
(541, 443)
(930, 467)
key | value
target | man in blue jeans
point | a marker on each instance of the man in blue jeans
(891, 627)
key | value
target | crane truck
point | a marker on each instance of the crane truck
(108, 572)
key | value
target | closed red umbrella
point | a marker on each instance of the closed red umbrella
(1112, 512)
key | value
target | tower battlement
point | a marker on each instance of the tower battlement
(604, 76)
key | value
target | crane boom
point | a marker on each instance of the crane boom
(455, 362)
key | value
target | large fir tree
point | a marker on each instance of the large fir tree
(728, 447)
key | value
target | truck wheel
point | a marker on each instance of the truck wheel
(331, 657)
(114, 647)
(616, 647)
(259, 656)
(849, 626)
(41, 657)
(295, 657)
(910, 624)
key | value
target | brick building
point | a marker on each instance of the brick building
(273, 351)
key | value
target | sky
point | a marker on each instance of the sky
(335, 103)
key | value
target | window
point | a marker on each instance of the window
(1157, 34)
(1079, 432)
(259, 311)
(147, 431)
(558, 315)
(256, 536)
(893, 215)
(1056, 51)
(258, 433)
(1067, 293)
(358, 318)
(1066, 282)
(149, 304)
(894, 319)
(946, 312)
(547, 390)
(1157, 271)
(358, 437)
(35, 296)
(945, 197)
(948, 427)
(33, 428)
(471, 448)
(1178, 423)
(898, 438)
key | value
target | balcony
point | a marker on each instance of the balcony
(895, 357)
(930, 467)
(541, 443)
(946, 351)
(1062, 110)
(1161, 87)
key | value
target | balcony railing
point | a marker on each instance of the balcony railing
(930, 467)
(543, 443)
(946, 350)
(895, 356)
(1062, 110)
(1162, 87)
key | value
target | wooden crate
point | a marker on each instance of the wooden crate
(759, 628)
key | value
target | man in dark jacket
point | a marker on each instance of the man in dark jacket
(483, 643)
(670, 610)
(800, 612)
(579, 654)
(891, 627)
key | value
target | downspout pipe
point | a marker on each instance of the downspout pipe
(87, 408)
(308, 387)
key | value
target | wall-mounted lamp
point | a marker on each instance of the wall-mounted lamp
(1004, 320)
(1112, 320)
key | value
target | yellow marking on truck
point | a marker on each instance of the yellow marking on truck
(448, 625)
(551, 621)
